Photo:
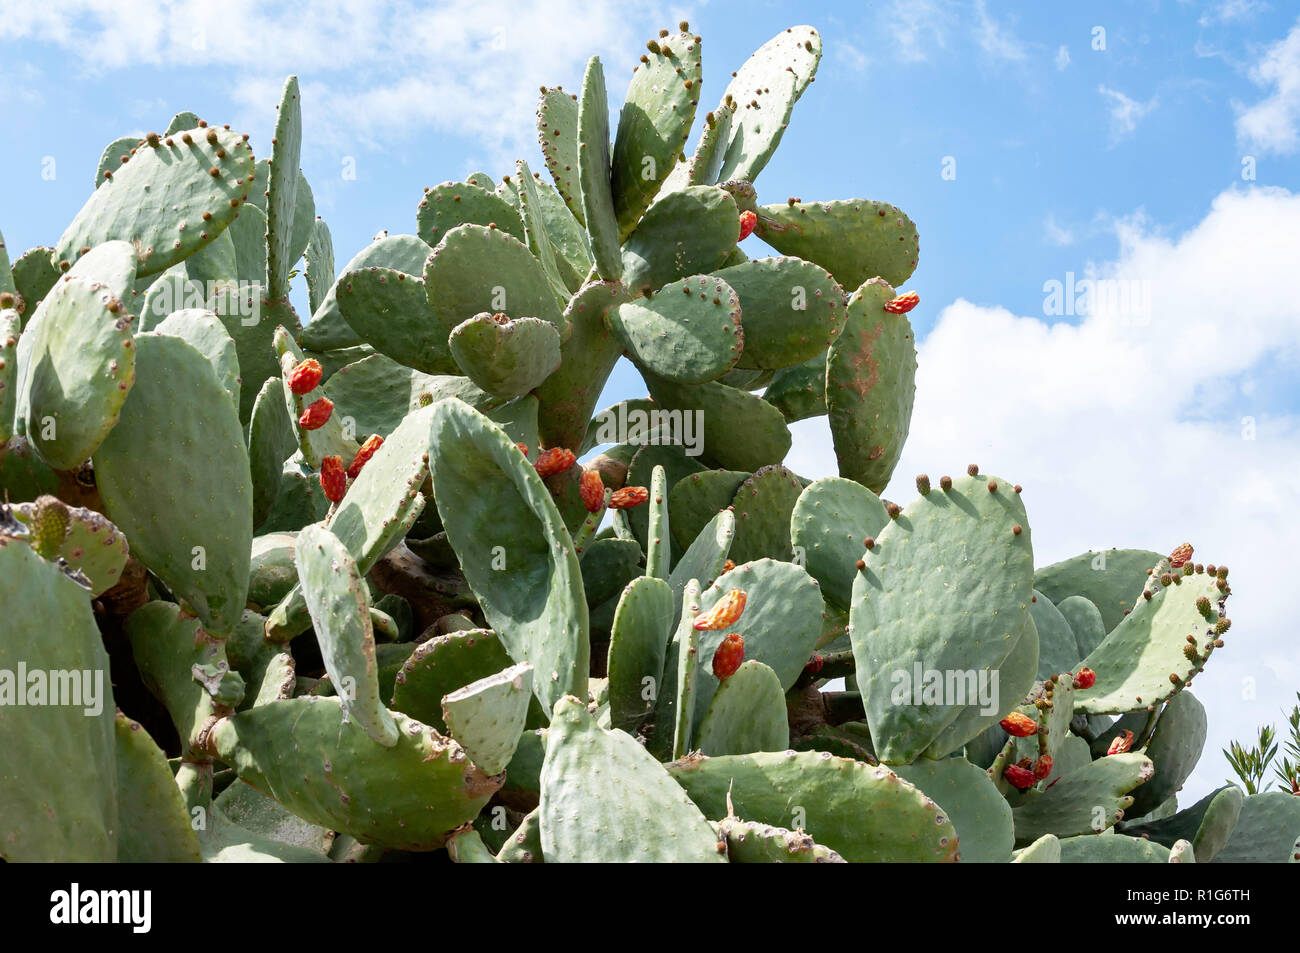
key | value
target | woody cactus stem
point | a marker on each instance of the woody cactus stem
(360, 569)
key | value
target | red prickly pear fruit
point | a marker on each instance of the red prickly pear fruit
(553, 461)
(317, 414)
(628, 497)
(725, 613)
(1122, 743)
(523, 448)
(1043, 767)
(747, 222)
(729, 655)
(903, 303)
(1019, 725)
(813, 665)
(592, 490)
(1180, 555)
(1018, 777)
(332, 478)
(728, 566)
(304, 378)
(1085, 679)
(373, 443)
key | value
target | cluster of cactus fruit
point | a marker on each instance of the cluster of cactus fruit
(346, 582)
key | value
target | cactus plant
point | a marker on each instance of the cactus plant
(377, 588)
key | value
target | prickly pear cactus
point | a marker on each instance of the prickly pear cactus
(388, 582)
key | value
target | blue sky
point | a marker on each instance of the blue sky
(1105, 141)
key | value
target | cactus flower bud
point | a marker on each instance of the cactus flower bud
(1043, 767)
(317, 414)
(592, 490)
(332, 478)
(1180, 555)
(304, 378)
(1121, 743)
(628, 497)
(903, 303)
(1019, 725)
(49, 526)
(1085, 679)
(553, 461)
(1018, 777)
(729, 655)
(725, 613)
(748, 220)
(373, 443)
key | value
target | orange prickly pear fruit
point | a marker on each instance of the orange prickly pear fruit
(1019, 725)
(592, 490)
(1018, 777)
(317, 414)
(1085, 679)
(729, 655)
(628, 497)
(903, 303)
(1121, 743)
(725, 613)
(553, 461)
(747, 222)
(305, 376)
(332, 478)
(373, 443)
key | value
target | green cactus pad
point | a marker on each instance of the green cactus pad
(1084, 801)
(1112, 849)
(684, 233)
(115, 155)
(282, 190)
(747, 714)
(156, 201)
(752, 843)
(605, 799)
(594, 173)
(10, 326)
(684, 659)
(792, 310)
(34, 274)
(506, 357)
(1141, 661)
(695, 500)
(495, 507)
(327, 329)
(703, 165)
(1175, 747)
(740, 431)
(260, 815)
(865, 813)
(638, 641)
(607, 566)
(339, 605)
(476, 269)
(211, 339)
(271, 442)
(855, 240)
(76, 359)
(449, 204)
(799, 392)
(537, 238)
(557, 133)
(153, 824)
(653, 125)
(318, 264)
(390, 311)
(828, 525)
(688, 333)
(1045, 850)
(1085, 623)
(444, 664)
(1112, 580)
(1057, 650)
(1208, 823)
(487, 716)
(965, 794)
(765, 90)
(407, 797)
(677, 466)
(568, 397)
(569, 238)
(1266, 830)
(225, 842)
(764, 505)
(706, 557)
(524, 846)
(870, 387)
(92, 546)
(58, 776)
(376, 392)
(331, 439)
(23, 474)
(968, 532)
(174, 476)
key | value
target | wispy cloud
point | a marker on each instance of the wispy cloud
(1057, 234)
(918, 28)
(1230, 11)
(1062, 59)
(1272, 126)
(997, 40)
(1125, 112)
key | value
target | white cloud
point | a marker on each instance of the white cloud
(996, 39)
(1125, 112)
(1128, 432)
(1230, 11)
(1062, 59)
(1272, 126)
(917, 28)
(372, 70)
(1057, 234)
